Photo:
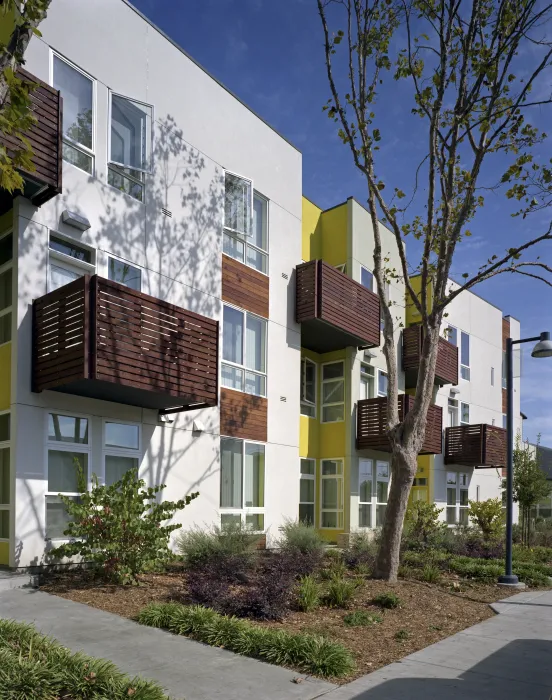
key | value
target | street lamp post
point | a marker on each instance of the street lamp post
(543, 348)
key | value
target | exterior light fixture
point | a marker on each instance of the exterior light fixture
(544, 347)
(71, 218)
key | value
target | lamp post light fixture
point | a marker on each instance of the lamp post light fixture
(543, 348)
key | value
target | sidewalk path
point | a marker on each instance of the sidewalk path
(507, 656)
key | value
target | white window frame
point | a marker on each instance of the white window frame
(447, 335)
(464, 405)
(149, 156)
(79, 447)
(110, 451)
(304, 402)
(327, 381)
(371, 374)
(308, 477)
(371, 288)
(247, 179)
(504, 378)
(369, 503)
(374, 503)
(244, 511)
(243, 367)
(454, 410)
(381, 373)
(245, 240)
(7, 507)
(340, 494)
(79, 147)
(4, 268)
(383, 480)
(504, 420)
(465, 368)
(125, 262)
(462, 483)
(66, 261)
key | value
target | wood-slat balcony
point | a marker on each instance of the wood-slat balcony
(372, 421)
(45, 181)
(446, 368)
(478, 445)
(100, 339)
(334, 311)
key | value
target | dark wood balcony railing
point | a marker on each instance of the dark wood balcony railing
(372, 421)
(334, 311)
(446, 369)
(479, 445)
(97, 338)
(44, 182)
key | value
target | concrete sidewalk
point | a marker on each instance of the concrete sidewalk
(508, 656)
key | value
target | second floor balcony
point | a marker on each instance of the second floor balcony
(478, 445)
(45, 180)
(446, 368)
(372, 422)
(100, 339)
(334, 311)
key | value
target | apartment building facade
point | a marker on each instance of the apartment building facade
(147, 269)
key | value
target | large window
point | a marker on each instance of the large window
(242, 483)
(124, 273)
(452, 413)
(308, 388)
(465, 356)
(5, 477)
(373, 490)
(130, 145)
(243, 351)
(244, 239)
(367, 382)
(67, 261)
(504, 378)
(333, 392)
(121, 450)
(451, 334)
(68, 446)
(382, 383)
(77, 91)
(6, 287)
(366, 279)
(464, 413)
(457, 498)
(331, 502)
(365, 482)
(307, 490)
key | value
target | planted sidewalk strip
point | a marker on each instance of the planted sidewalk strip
(305, 652)
(36, 667)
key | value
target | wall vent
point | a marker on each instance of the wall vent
(285, 276)
(166, 212)
(283, 398)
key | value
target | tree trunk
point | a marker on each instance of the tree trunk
(404, 465)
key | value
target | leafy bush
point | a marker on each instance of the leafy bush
(336, 569)
(362, 550)
(362, 569)
(198, 545)
(308, 594)
(536, 555)
(402, 635)
(340, 592)
(361, 618)
(119, 527)
(480, 570)
(430, 574)
(488, 516)
(532, 574)
(422, 522)
(333, 555)
(301, 537)
(387, 600)
(308, 653)
(34, 667)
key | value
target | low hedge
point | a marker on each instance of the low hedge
(35, 667)
(306, 652)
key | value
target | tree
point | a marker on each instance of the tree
(530, 483)
(16, 115)
(461, 63)
(488, 516)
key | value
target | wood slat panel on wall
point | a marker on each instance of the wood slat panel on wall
(243, 415)
(477, 445)
(244, 287)
(446, 368)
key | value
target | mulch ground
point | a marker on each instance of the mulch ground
(428, 613)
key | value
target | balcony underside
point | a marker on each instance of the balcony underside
(320, 336)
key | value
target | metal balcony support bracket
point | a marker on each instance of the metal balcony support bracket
(182, 409)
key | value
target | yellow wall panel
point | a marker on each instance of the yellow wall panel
(334, 235)
(309, 435)
(412, 313)
(311, 226)
(5, 376)
(4, 553)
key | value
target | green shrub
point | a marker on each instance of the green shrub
(362, 549)
(479, 569)
(361, 618)
(488, 516)
(34, 667)
(119, 527)
(362, 569)
(333, 554)
(387, 600)
(308, 594)
(422, 523)
(199, 546)
(402, 635)
(430, 574)
(340, 592)
(308, 653)
(300, 537)
(537, 554)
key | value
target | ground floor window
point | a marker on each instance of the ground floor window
(457, 498)
(242, 483)
(373, 492)
(307, 488)
(331, 501)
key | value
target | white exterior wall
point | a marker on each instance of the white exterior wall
(200, 130)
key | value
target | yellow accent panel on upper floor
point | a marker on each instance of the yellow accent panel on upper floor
(6, 220)
(5, 376)
(4, 553)
(412, 313)
(332, 440)
(312, 231)
(309, 437)
(334, 235)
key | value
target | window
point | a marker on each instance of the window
(252, 248)
(452, 413)
(331, 511)
(366, 278)
(68, 454)
(492, 376)
(308, 388)
(124, 273)
(451, 334)
(365, 481)
(382, 383)
(333, 392)
(77, 91)
(307, 490)
(129, 145)
(67, 261)
(382, 489)
(367, 382)
(121, 450)
(373, 492)
(504, 379)
(238, 204)
(243, 351)
(464, 414)
(6, 287)
(457, 498)
(465, 356)
(504, 421)
(5, 476)
(242, 480)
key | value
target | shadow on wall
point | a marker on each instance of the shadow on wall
(520, 669)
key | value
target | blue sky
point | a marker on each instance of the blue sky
(270, 54)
